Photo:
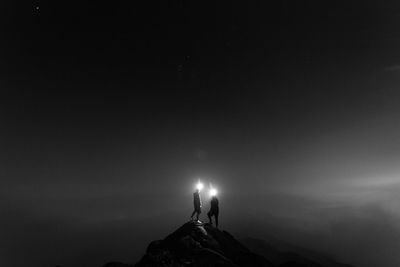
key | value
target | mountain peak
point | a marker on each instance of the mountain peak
(200, 244)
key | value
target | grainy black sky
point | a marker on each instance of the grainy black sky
(111, 110)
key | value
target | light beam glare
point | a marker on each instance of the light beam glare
(199, 186)
(213, 192)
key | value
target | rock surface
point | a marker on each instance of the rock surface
(196, 244)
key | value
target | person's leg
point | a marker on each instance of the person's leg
(191, 217)
(209, 217)
(198, 214)
(216, 219)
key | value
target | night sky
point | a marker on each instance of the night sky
(110, 111)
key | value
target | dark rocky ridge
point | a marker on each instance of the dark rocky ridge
(197, 244)
(202, 245)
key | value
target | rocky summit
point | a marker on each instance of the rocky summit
(197, 244)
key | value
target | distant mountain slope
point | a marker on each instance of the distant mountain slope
(280, 252)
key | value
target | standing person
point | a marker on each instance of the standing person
(214, 209)
(197, 204)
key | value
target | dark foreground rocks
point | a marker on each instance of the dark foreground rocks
(196, 244)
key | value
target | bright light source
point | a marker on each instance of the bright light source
(213, 192)
(199, 186)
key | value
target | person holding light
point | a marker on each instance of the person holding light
(197, 201)
(214, 208)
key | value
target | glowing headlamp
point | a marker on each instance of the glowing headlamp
(213, 192)
(199, 186)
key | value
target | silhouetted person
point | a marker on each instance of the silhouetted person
(197, 204)
(214, 210)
